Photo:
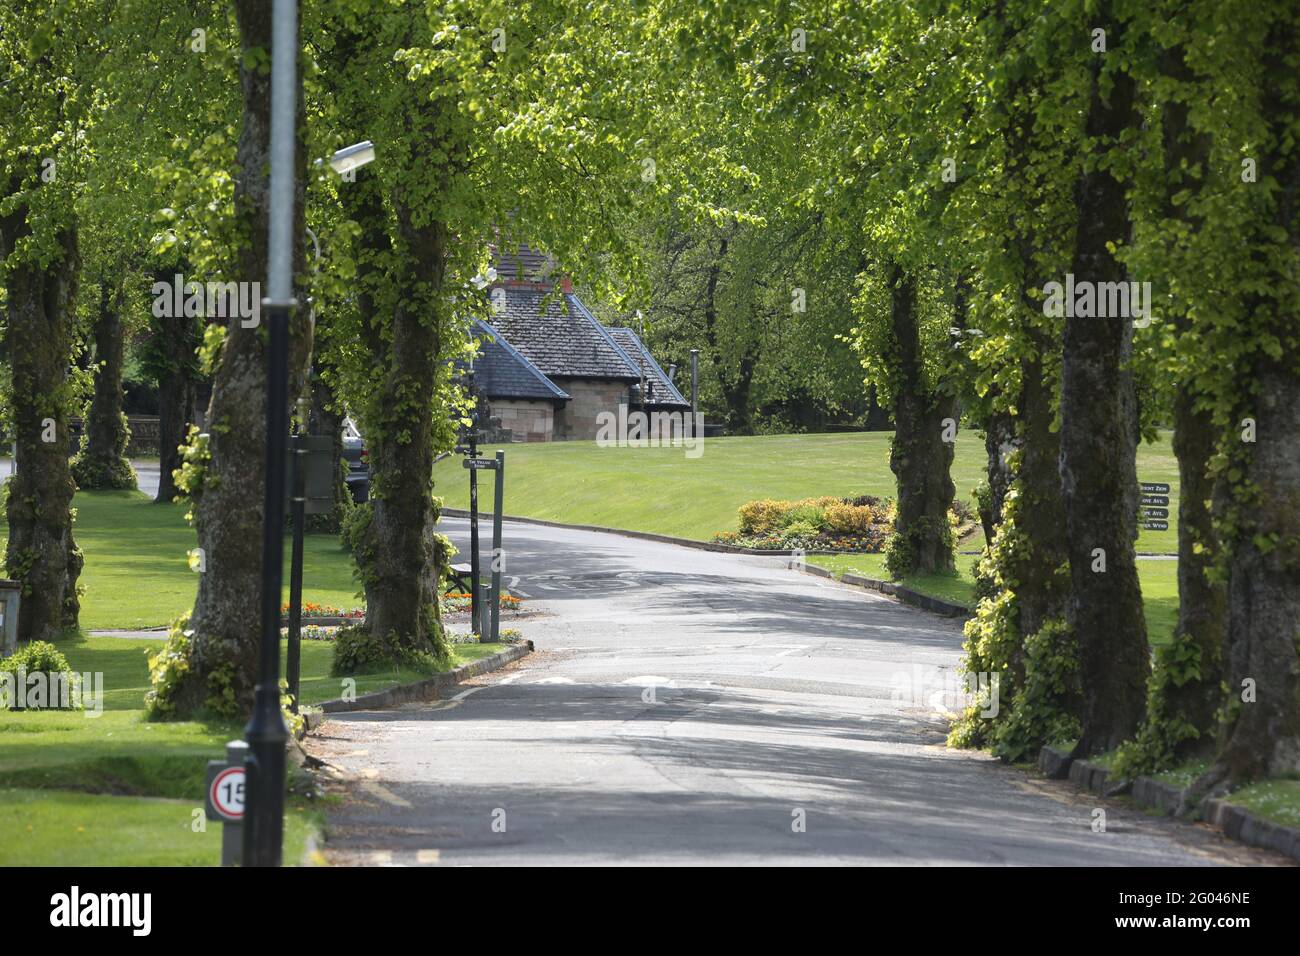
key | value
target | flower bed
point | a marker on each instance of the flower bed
(454, 602)
(861, 524)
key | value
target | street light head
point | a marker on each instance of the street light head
(352, 157)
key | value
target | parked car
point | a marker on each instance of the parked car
(354, 453)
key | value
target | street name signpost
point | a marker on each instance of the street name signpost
(1154, 501)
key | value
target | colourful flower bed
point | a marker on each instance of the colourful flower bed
(861, 524)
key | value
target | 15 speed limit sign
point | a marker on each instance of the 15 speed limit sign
(225, 791)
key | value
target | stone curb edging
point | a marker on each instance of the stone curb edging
(1236, 822)
(904, 594)
(1152, 794)
(651, 536)
(428, 689)
(1054, 764)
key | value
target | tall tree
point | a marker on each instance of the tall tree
(224, 468)
(1099, 425)
(44, 51)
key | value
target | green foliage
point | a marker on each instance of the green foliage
(167, 669)
(1164, 730)
(358, 651)
(40, 657)
(900, 552)
(1043, 711)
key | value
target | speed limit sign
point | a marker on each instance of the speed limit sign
(225, 791)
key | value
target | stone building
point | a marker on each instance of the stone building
(549, 368)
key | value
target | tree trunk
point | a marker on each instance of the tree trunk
(41, 552)
(1041, 587)
(177, 394)
(1098, 450)
(1202, 602)
(102, 462)
(228, 511)
(1262, 734)
(735, 388)
(919, 457)
(399, 557)
(1187, 695)
(999, 443)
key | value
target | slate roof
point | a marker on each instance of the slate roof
(522, 263)
(660, 391)
(565, 340)
(502, 372)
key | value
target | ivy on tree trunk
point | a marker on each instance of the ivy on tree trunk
(919, 457)
(1098, 445)
(41, 552)
(225, 625)
(102, 462)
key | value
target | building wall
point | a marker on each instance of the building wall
(588, 397)
(527, 421)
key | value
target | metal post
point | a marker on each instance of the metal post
(232, 831)
(475, 610)
(496, 546)
(695, 384)
(298, 509)
(266, 733)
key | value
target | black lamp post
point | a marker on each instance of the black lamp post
(266, 732)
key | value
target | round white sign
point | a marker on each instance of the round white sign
(227, 793)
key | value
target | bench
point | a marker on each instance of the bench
(461, 574)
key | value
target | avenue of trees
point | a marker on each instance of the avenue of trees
(1064, 225)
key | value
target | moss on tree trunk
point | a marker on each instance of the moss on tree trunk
(919, 457)
(1098, 449)
(228, 504)
(41, 552)
(102, 462)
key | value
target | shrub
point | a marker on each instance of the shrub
(760, 517)
(806, 512)
(848, 518)
(39, 657)
(358, 651)
(799, 533)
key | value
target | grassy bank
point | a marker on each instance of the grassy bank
(1159, 585)
(663, 491)
(72, 785)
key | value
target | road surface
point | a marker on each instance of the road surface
(691, 707)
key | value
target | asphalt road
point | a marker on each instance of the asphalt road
(690, 707)
(146, 473)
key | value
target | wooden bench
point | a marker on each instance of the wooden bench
(461, 574)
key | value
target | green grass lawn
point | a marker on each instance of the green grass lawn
(66, 828)
(69, 781)
(1159, 585)
(137, 568)
(663, 491)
